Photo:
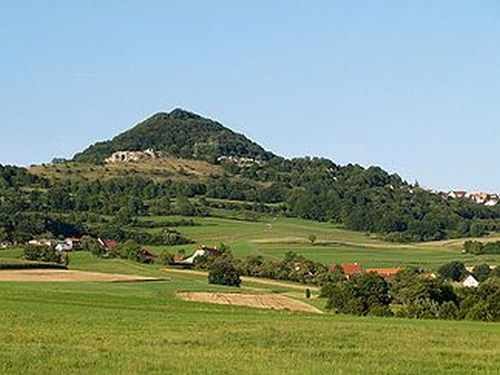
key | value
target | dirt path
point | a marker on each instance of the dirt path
(259, 301)
(255, 280)
(63, 275)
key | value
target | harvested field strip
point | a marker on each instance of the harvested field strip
(68, 276)
(259, 301)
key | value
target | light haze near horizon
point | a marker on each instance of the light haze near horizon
(410, 86)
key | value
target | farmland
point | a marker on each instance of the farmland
(273, 237)
(144, 328)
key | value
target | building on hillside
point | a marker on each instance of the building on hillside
(132, 156)
(203, 251)
(386, 273)
(146, 256)
(457, 194)
(108, 245)
(69, 244)
(349, 269)
(42, 242)
(470, 282)
(478, 197)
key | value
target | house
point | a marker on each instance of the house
(470, 282)
(204, 251)
(64, 246)
(69, 244)
(108, 245)
(386, 273)
(349, 269)
(457, 194)
(42, 242)
(75, 242)
(147, 256)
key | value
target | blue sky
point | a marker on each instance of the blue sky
(412, 86)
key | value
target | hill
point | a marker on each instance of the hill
(181, 134)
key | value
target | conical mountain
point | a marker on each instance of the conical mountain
(180, 134)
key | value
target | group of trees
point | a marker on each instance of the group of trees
(181, 134)
(364, 199)
(45, 254)
(478, 247)
(413, 294)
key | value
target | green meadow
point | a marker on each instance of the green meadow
(273, 237)
(143, 328)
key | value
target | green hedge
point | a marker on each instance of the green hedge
(31, 266)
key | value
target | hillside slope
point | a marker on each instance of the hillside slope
(180, 134)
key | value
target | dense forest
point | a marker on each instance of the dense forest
(181, 134)
(362, 199)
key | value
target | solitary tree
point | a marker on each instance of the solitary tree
(312, 238)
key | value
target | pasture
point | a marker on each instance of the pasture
(143, 328)
(274, 237)
(83, 327)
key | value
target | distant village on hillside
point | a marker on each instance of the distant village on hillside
(486, 199)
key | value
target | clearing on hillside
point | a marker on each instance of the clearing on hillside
(259, 301)
(62, 275)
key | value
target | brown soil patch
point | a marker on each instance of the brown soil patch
(260, 301)
(62, 275)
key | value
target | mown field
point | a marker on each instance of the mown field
(274, 237)
(143, 328)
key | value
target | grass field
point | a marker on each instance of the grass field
(275, 237)
(143, 328)
(102, 328)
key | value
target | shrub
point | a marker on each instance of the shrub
(362, 295)
(44, 254)
(223, 272)
(454, 271)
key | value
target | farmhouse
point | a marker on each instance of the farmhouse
(42, 242)
(69, 244)
(470, 282)
(146, 256)
(349, 269)
(204, 251)
(386, 273)
(108, 245)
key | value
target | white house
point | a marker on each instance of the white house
(470, 282)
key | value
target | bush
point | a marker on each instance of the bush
(44, 254)
(362, 295)
(223, 272)
(91, 245)
(454, 271)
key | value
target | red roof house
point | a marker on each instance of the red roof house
(349, 269)
(386, 273)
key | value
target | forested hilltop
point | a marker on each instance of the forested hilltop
(179, 133)
(362, 199)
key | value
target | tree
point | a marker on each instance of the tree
(184, 206)
(365, 294)
(481, 272)
(454, 271)
(223, 272)
(43, 254)
(93, 246)
(312, 238)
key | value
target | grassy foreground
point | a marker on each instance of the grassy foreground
(142, 328)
